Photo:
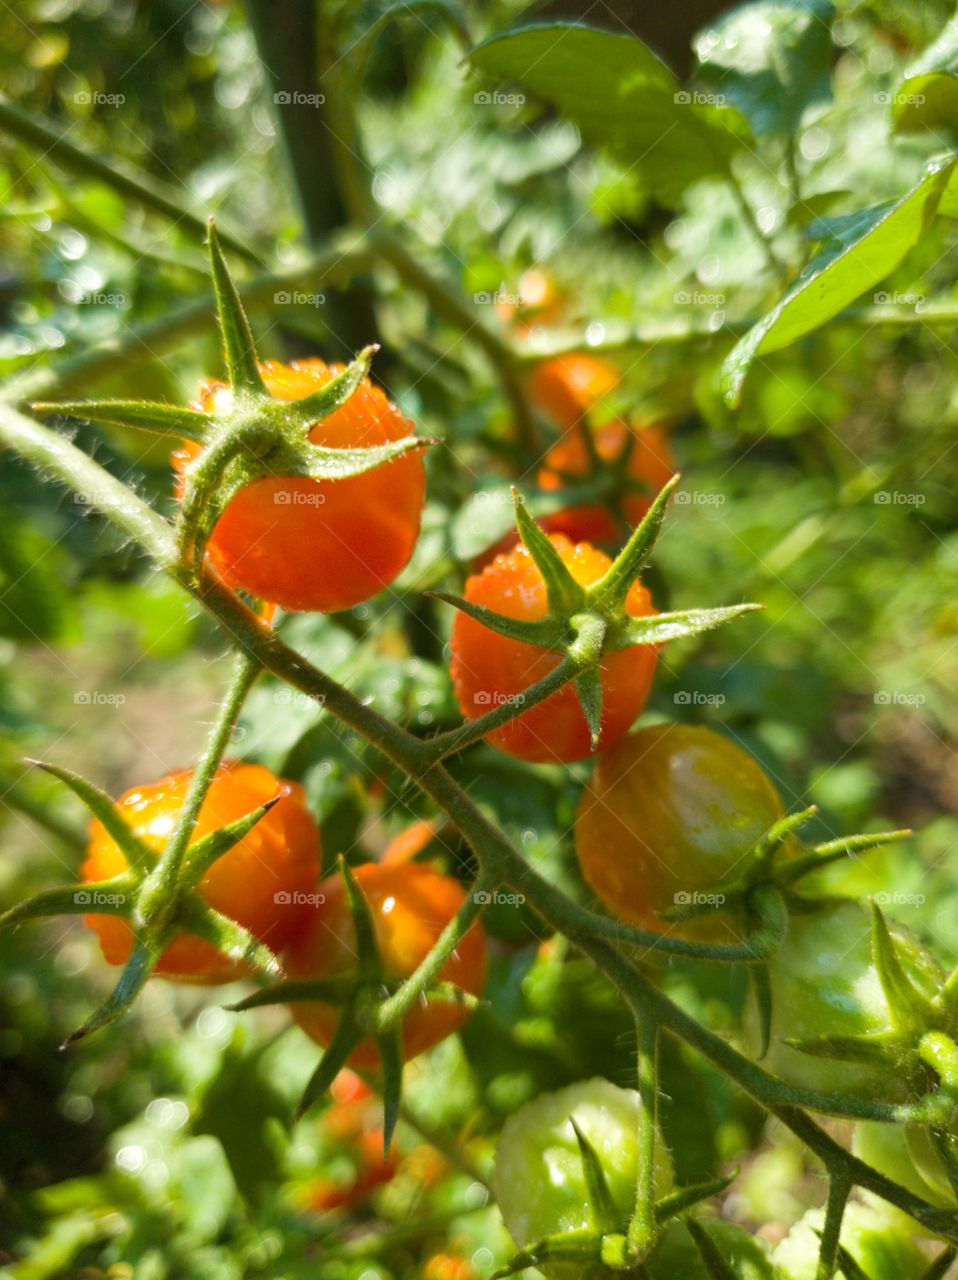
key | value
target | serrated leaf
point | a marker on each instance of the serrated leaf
(770, 59)
(840, 273)
(634, 106)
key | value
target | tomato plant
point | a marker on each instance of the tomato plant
(523, 915)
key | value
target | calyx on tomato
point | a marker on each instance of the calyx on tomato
(248, 435)
(565, 1182)
(586, 622)
(360, 994)
(848, 990)
(161, 902)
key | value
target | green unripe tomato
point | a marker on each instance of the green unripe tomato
(677, 1256)
(539, 1182)
(824, 983)
(878, 1245)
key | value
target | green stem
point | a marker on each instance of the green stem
(158, 895)
(838, 1188)
(137, 187)
(642, 1226)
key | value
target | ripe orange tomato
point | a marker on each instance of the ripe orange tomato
(410, 905)
(670, 813)
(322, 545)
(489, 669)
(263, 882)
(565, 388)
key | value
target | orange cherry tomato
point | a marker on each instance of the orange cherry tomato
(565, 388)
(321, 545)
(410, 905)
(405, 846)
(264, 882)
(670, 813)
(489, 669)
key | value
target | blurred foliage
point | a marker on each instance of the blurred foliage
(828, 496)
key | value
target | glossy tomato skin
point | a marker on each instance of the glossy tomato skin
(263, 882)
(876, 1243)
(488, 669)
(320, 545)
(538, 1181)
(410, 904)
(668, 813)
(566, 387)
(824, 982)
(650, 465)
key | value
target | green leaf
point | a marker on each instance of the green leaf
(844, 270)
(927, 93)
(770, 59)
(621, 96)
(160, 419)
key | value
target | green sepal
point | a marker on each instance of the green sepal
(660, 628)
(881, 1048)
(390, 1053)
(146, 415)
(449, 993)
(685, 1198)
(69, 900)
(823, 855)
(588, 687)
(322, 462)
(939, 1051)
(614, 1252)
(335, 991)
(766, 920)
(610, 591)
(763, 855)
(910, 1009)
(564, 594)
(143, 960)
(239, 348)
(947, 1147)
(345, 1039)
(602, 1208)
(314, 408)
(231, 939)
(369, 962)
(137, 853)
(546, 633)
(570, 1246)
(712, 1260)
(201, 855)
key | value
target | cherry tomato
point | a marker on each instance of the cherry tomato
(489, 669)
(263, 883)
(668, 815)
(649, 465)
(320, 545)
(565, 388)
(410, 904)
(878, 1245)
(538, 1181)
(677, 1256)
(448, 1266)
(907, 1155)
(824, 982)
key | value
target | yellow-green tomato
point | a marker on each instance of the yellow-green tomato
(667, 819)
(880, 1247)
(539, 1182)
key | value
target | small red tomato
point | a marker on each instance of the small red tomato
(410, 905)
(566, 387)
(489, 669)
(263, 883)
(321, 545)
